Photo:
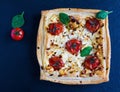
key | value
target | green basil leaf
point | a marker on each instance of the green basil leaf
(64, 18)
(102, 14)
(86, 51)
(18, 20)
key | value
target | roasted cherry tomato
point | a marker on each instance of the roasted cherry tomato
(73, 46)
(55, 28)
(56, 62)
(92, 24)
(17, 34)
(91, 62)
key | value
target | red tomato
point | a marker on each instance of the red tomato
(92, 25)
(55, 28)
(73, 46)
(91, 62)
(56, 62)
(17, 34)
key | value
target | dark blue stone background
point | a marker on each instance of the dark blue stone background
(19, 70)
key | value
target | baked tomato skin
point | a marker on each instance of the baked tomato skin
(91, 62)
(73, 46)
(55, 28)
(56, 62)
(92, 24)
(17, 34)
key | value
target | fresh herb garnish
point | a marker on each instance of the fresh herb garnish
(102, 14)
(86, 51)
(18, 20)
(64, 18)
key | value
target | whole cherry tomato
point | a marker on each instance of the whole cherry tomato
(73, 46)
(17, 34)
(91, 62)
(55, 28)
(92, 24)
(56, 62)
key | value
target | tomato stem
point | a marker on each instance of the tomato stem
(110, 12)
(22, 13)
(17, 33)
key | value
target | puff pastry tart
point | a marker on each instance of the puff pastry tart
(73, 46)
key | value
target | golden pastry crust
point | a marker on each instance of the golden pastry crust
(42, 40)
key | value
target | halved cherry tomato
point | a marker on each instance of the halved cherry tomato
(56, 62)
(17, 34)
(73, 46)
(55, 28)
(92, 24)
(91, 62)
